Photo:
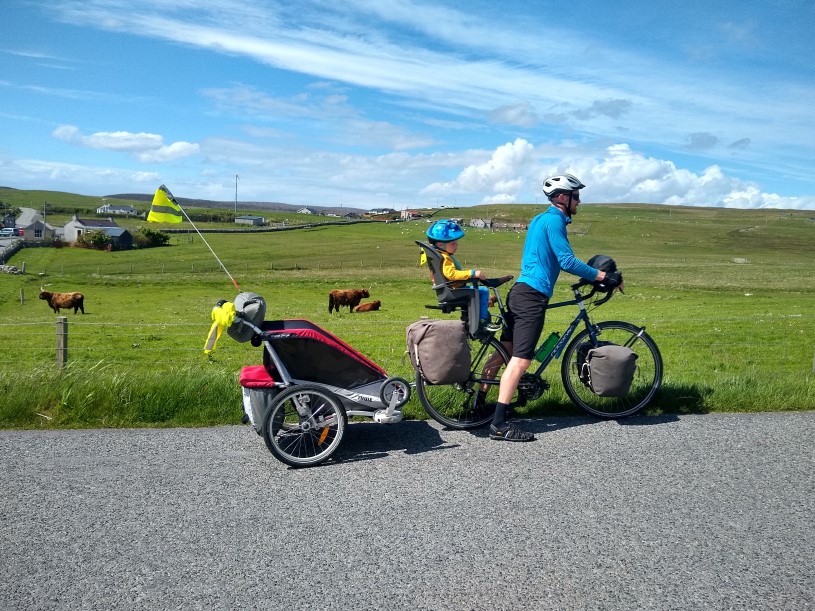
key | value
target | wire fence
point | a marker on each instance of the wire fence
(763, 341)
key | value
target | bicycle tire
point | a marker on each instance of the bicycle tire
(457, 406)
(647, 377)
(291, 439)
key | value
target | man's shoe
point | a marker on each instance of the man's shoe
(510, 432)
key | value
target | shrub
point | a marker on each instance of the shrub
(97, 240)
(149, 238)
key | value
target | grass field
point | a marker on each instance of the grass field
(727, 295)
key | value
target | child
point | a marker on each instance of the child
(444, 236)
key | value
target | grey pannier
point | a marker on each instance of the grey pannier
(608, 370)
(439, 350)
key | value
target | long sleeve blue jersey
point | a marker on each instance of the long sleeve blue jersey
(547, 251)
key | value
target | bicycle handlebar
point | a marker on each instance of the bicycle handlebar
(594, 289)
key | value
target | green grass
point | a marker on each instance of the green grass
(725, 293)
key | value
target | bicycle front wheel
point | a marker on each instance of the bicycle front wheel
(469, 404)
(304, 425)
(647, 376)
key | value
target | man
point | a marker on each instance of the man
(546, 252)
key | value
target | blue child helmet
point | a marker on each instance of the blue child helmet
(445, 230)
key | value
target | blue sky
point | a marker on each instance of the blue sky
(399, 103)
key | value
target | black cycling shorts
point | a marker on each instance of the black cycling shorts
(526, 311)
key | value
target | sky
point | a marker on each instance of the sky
(405, 104)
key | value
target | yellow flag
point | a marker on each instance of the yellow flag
(164, 208)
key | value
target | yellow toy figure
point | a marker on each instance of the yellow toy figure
(223, 314)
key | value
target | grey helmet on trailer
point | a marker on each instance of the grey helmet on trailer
(565, 183)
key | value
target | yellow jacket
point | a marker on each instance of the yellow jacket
(451, 269)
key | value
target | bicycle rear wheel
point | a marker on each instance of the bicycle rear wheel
(469, 404)
(304, 441)
(647, 377)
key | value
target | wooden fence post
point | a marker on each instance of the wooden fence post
(62, 341)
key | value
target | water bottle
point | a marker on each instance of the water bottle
(547, 346)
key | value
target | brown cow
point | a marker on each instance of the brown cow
(64, 300)
(345, 297)
(368, 307)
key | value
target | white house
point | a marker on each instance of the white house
(76, 227)
(481, 223)
(117, 209)
(306, 211)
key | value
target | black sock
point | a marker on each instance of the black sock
(499, 419)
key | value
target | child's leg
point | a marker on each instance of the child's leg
(484, 302)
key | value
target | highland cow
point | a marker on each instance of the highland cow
(368, 307)
(64, 300)
(345, 297)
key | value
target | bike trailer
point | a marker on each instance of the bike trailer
(300, 352)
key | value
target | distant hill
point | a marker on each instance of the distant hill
(270, 206)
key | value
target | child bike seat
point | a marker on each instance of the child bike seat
(451, 299)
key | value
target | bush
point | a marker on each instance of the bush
(149, 238)
(97, 240)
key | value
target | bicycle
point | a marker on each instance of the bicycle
(471, 404)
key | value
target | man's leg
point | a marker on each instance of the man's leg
(527, 311)
(512, 375)
(509, 382)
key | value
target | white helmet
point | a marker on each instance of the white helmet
(565, 183)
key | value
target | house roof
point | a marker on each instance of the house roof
(96, 223)
(115, 232)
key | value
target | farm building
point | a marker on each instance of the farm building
(38, 231)
(250, 220)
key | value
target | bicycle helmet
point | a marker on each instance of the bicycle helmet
(565, 183)
(603, 262)
(445, 231)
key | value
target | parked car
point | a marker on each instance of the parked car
(19, 231)
(6, 232)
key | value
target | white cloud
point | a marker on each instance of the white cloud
(148, 148)
(501, 176)
(520, 113)
(76, 178)
(623, 175)
(177, 150)
(616, 174)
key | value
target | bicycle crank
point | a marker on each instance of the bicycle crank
(532, 387)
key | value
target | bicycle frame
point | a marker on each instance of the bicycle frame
(581, 317)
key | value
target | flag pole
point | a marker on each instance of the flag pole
(168, 213)
(223, 267)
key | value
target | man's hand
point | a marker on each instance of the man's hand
(612, 280)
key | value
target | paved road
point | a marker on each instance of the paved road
(695, 512)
